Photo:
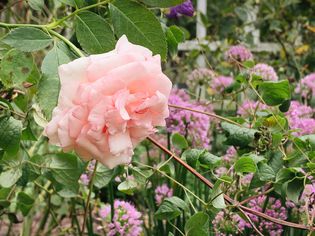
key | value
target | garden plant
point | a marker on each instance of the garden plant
(111, 125)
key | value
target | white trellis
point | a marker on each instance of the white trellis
(213, 46)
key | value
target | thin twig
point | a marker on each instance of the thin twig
(205, 113)
(89, 197)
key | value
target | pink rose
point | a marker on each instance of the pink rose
(110, 102)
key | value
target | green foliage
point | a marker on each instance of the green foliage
(27, 39)
(245, 165)
(171, 208)
(128, 186)
(103, 176)
(201, 158)
(94, 33)
(198, 224)
(10, 134)
(37, 5)
(179, 141)
(16, 67)
(275, 93)
(48, 88)
(239, 136)
(25, 203)
(217, 197)
(174, 36)
(139, 24)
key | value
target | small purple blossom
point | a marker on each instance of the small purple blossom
(300, 118)
(238, 53)
(307, 86)
(186, 8)
(230, 153)
(265, 71)
(104, 212)
(219, 83)
(193, 125)
(161, 192)
(126, 221)
(200, 76)
(85, 179)
(249, 107)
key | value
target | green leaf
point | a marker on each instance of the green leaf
(139, 25)
(192, 156)
(217, 197)
(10, 177)
(128, 186)
(265, 172)
(65, 168)
(57, 56)
(294, 189)
(245, 165)
(162, 3)
(48, 88)
(198, 224)
(94, 33)
(27, 134)
(16, 67)
(284, 107)
(208, 160)
(174, 36)
(179, 141)
(24, 203)
(103, 176)
(10, 134)
(248, 64)
(171, 208)
(27, 39)
(239, 136)
(275, 93)
(37, 5)
(141, 175)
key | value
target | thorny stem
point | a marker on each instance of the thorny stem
(89, 197)
(226, 197)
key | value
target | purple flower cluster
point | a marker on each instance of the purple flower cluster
(186, 8)
(249, 107)
(161, 192)
(307, 86)
(264, 71)
(126, 221)
(200, 76)
(300, 118)
(219, 83)
(274, 209)
(231, 222)
(238, 53)
(193, 125)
